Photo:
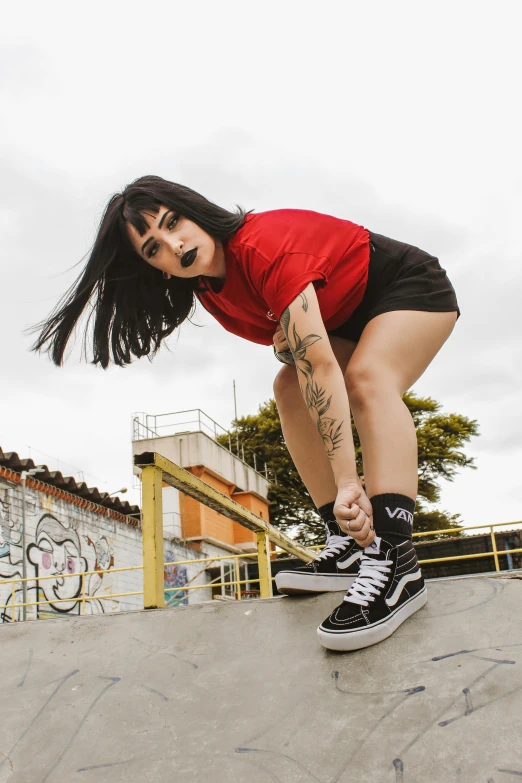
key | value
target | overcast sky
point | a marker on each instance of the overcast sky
(402, 117)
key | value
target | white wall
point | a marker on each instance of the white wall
(171, 513)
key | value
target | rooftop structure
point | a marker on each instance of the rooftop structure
(188, 438)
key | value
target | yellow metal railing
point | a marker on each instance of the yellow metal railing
(494, 553)
(82, 598)
(156, 470)
(234, 583)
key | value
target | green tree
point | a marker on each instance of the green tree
(440, 437)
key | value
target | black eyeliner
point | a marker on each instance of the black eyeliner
(174, 215)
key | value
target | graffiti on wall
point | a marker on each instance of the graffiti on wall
(56, 553)
(174, 577)
(10, 537)
(104, 560)
(10, 557)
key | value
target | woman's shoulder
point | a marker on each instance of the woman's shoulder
(277, 231)
(283, 217)
(287, 219)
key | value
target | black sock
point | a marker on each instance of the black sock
(330, 522)
(393, 517)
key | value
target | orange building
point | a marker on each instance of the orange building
(232, 471)
(199, 522)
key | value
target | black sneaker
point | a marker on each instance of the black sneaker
(388, 589)
(335, 568)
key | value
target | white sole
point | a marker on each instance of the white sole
(293, 584)
(365, 637)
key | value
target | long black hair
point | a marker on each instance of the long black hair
(134, 307)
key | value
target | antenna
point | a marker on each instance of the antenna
(235, 413)
(235, 403)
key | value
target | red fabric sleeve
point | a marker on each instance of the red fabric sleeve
(280, 281)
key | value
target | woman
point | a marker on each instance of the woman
(354, 316)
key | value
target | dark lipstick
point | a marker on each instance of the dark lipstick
(188, 258)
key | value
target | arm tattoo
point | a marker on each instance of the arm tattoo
(315, 396)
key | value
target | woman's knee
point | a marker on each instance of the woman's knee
(286, 381)
(366, 385)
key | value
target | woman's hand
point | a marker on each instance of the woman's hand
(281, 347)
(280, 341)
(354, 512)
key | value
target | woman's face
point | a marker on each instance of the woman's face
(171, 235)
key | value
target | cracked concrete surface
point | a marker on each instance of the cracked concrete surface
(244, 692)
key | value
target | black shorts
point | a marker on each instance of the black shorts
(400, 277)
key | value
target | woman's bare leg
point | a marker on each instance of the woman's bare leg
(393, 352)
(301, 436)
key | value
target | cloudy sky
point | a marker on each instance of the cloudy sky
(402, 117)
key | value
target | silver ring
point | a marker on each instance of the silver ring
(348, 523)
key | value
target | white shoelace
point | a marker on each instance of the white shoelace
(334, 545)
(369, 581)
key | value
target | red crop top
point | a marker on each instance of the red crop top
(271, 259)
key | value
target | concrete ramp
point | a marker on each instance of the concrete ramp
(243, 692)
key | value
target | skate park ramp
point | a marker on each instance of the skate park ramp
(243, 692)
